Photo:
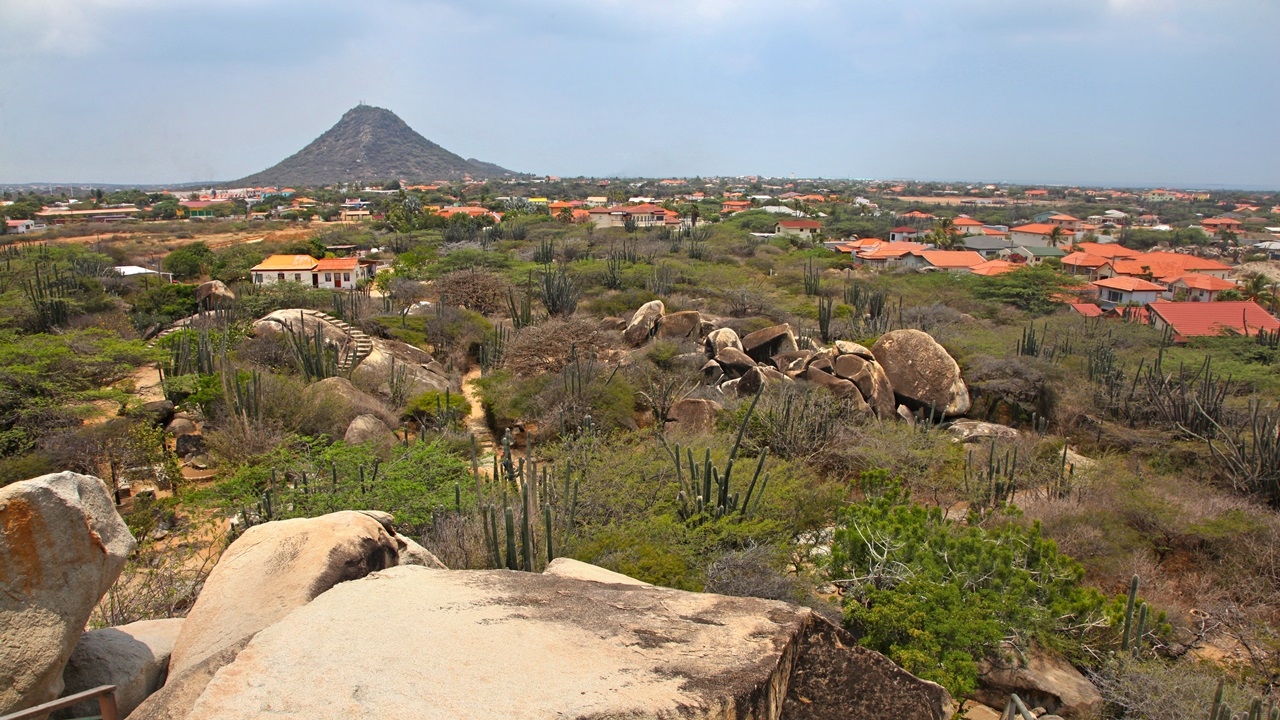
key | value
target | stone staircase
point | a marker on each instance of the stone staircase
(360, 348)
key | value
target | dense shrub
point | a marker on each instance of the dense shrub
(937, 595)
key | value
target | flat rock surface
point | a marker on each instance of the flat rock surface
(501, 644)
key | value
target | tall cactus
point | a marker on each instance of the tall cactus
(1128, 613)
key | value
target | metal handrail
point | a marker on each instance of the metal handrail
(106, 695)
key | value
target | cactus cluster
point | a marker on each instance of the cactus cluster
(708, 494)
(537, 494)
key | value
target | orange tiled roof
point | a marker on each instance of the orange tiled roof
(1193, 319)
(336, 264)
(994, 267)
(1106, 250)
(1165, 265)
(1128, 284)
(951, 258)
(1083, 259)
(1035, 228)
(1087, 309)
(1199, 281)
(285, 262)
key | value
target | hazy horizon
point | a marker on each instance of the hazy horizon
(1119, 93)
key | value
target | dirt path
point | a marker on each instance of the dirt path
(476, 424)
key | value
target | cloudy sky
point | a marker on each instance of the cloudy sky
(1140, 92)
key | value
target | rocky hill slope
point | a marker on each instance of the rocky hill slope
(371, 144)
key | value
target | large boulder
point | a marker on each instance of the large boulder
(764, 344)
(734, 361)
(695, 415)
(273, 569)
(368, 429)
(340, 401)
(839, 387)
(642, 323)
(1041, 680)
(570, 644)
(921, 372)
(720, 339)
(871, 380)
(301, 321)
(411, 553)
(133, 657)
(62, 545)
(214, 294)
(414, 367)
(683, 325)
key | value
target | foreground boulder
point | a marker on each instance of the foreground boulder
(410, 642)
(923, 375)
(133, 657)
(273, 569)
(643, 322)
(62, 545)
(720, 339)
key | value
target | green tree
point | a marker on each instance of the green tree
(189, 261)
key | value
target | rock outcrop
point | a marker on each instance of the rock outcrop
(133, 657)
(694, 415)
(1042, 680)
(764, 344)
(368, 429)
(720, 339)
(566, 644)
(923, 375)
(214, 294)
(62, 545)
(683, 325)
(643, 322)
(273, 569)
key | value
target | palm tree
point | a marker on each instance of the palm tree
(1056, 235)
(943, 235)
(1259, 288)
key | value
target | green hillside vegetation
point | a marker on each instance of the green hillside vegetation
(935, 552)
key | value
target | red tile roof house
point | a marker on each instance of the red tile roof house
(798, 227)
(1199, 287)
(1038, 234)
(336, 273)
(1083, 264)
(729, 207)
(1217, 226)
(968, 225)
(904, 233)
(1197, 319)
(949, 260)
(1163, 267)
(645, 216)
(888, 254)
(1127, 291)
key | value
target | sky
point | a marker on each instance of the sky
(1100, 92)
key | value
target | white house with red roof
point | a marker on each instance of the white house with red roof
(1126, 291)
(644, 215)
(968, 226)
(905, 233)
(806, 228)
(1199, 287)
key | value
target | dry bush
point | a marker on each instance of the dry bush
(754, 571)
(478, 290)
(268, 350)
(458, 541)
(546, 348)
(1157, 690)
